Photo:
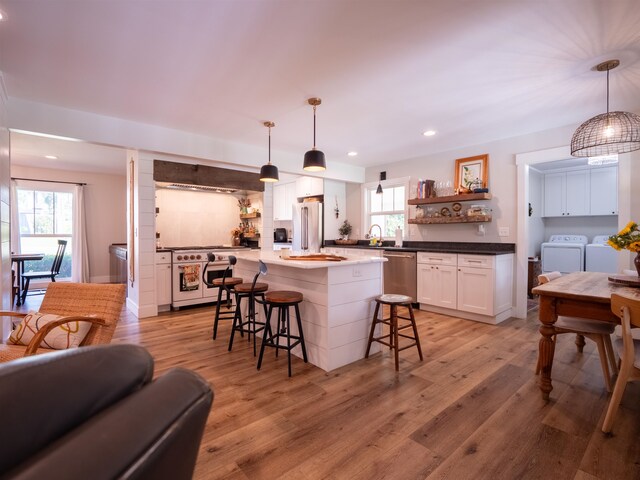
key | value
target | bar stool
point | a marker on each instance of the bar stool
(394, 301)
(227, 284)
(254, 293)
(282, 300)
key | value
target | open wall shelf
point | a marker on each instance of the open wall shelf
(440, 220)
(467, 197)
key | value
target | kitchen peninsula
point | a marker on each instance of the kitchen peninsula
(338, 301)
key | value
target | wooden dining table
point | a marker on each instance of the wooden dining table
(579, 294)
(19, 259)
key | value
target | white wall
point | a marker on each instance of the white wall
(502, 184)
(105, 204)
(195, 218)
(5, 222)
(334, 193)
(537, 232)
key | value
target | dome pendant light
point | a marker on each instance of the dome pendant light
(608, 133)
(314, 159)
(268, 172)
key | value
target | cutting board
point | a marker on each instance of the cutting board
(318, 257)
(627, 280)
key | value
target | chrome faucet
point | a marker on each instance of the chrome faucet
(379, 228)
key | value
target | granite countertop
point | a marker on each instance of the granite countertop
(439, 247)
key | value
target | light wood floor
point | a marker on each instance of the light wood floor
(471, 410)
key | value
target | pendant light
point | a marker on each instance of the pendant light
(383, 177)
(608, 133)
(314, 159)
(268, 172)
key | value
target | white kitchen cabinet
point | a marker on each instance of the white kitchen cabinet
(437, 279)
(567, 193)
(604, 191)
(309, 186)
(284, 196)
(163, 278)
(477, 287)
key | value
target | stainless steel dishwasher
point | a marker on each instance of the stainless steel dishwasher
(400, 274)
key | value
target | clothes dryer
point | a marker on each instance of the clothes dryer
(600, 256)
(563, 253)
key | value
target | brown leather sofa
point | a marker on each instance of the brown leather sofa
(95, 413)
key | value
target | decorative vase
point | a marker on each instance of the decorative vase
(636, 262)
(236, 241)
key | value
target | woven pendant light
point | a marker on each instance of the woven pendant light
(608, 133)
(269, 172)
(314, 159)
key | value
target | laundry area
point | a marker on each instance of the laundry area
(573, 210)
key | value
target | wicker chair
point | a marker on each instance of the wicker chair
(75, 301)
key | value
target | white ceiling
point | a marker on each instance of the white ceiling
(474, 71)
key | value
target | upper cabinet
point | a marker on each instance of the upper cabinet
(309, 187)
(581, 192)
(284, 196)
(604, 191)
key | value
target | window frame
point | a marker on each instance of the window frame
(366, 207)
(54, 187)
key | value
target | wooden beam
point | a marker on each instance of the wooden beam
(203, 175)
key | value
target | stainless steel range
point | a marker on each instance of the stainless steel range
(187, 268)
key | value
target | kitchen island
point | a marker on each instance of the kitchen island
(338, 301)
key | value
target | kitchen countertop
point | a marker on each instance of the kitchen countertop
(439, 247)
(273, 258)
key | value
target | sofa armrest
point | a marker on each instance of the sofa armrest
(152, 433)
(38, 338)
(44, 397)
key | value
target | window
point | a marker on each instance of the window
(44, 217)
(389, 209)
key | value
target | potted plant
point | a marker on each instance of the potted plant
(344, 231)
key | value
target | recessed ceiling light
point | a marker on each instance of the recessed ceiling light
(353, 154)
(2, 15)
(51, 157)
(429, 133)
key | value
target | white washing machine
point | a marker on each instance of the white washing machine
(601, 257)
(563, 253)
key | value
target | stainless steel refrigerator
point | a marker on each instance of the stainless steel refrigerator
(307, 227)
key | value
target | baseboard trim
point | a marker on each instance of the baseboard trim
(501, 317)
(142, 312)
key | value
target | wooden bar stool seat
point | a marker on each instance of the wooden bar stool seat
(253, 293)
(282, 300)
(391, 339)
(227, 281)
(283, 296)
(249, 287)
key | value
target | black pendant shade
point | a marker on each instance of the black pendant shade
(269, 172)
(383, 177)
(608, 133)
(314, 159)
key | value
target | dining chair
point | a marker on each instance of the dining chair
(628, 309)
(596, 330)
(55, 270)
(98, 304)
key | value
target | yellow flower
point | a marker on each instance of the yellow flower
(613, 244)
(634, 247)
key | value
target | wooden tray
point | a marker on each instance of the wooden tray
(346, 242)
(627, 280)
(319, 257)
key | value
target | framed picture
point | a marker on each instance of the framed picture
(470, 169)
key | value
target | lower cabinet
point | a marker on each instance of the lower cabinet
(437, 284)
(163, 279)
(477, 287)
